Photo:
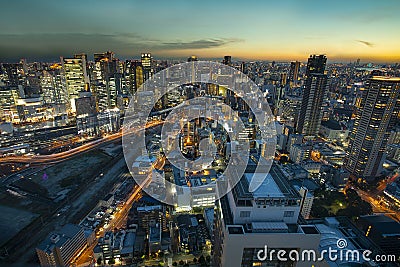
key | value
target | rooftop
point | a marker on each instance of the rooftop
(274, 185)
(268, 187)
(58, 239)
(331, 124)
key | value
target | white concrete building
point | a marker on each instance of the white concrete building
(246, 222)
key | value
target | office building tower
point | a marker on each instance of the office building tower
(8, 104)
(106, 55)
(146, 61)
(15, 73)
(316, 64)
(314, 93)
(54, 91)
(283, 79)
(106, 80)
(377, 112)
(134, 75)
(76, 76)
(243, 67)
(60, 248)
(294, 73)
(246, 222)
(192, 58)
(227, 60)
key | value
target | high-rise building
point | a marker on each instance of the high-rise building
(227, 60)
(106, 80)
(106, 55)
(310, 116)
(316, 64)
(377, 111)
(52, 83)
(15, 73)
(246, 222)
(59, 248)
(146, 61)
(192, 58)
(8, 104)
(294, 72)
(76, 76)
(134, 75)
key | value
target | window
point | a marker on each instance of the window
(244, 214)
(289, 213)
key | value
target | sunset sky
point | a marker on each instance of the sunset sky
(266, 30)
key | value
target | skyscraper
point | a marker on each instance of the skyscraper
(376, 114)
(106, 80)
(76, 76)
(192, 58)
(294, 72)
(133, 75)
(146, 61)
(227, 60)
(313, 96)
(53, 87)
(316, 64)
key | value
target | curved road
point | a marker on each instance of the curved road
(58, 157)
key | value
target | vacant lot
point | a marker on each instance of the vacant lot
(20, 219)
(71, 172)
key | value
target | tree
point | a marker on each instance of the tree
(202, 259)
(318, 211)
(112, 261)
(352, 195)
(174, 263)
(197, 209)
(208, 258)
(194, 259)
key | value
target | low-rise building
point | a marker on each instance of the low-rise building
(333, 131)
(300, 152)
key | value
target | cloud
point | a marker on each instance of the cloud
(200, 44)
(53, 45)
(369, 44)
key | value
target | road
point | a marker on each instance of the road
(376, 205)
(61, 156)
(58, 157)
(119, 218)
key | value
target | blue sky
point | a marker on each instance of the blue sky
(271, 30)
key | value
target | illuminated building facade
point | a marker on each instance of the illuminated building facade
(314, 94)
(146, 61)
(76, 76)
(377, 111)
(294, 73)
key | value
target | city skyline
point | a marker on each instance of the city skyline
(254, 31)
(200, 133)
